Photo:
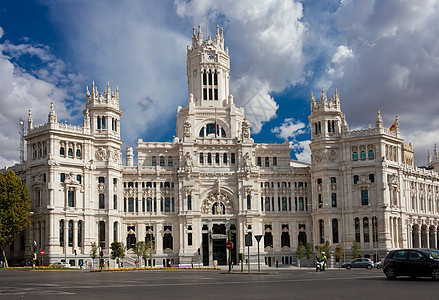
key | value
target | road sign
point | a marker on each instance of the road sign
(258, 238)
(42, 252)
(229, 245)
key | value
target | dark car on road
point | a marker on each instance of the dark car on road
(358, 263)
(412, 262)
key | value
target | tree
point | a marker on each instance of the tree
(299, 253)
(93, 252)
(117, 250)
(143, 250)
(356, 250)
(339, 253)
(327, 249)
(308, 251)
(14, 209)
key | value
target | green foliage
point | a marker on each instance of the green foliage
(327, 249)
(356, 250)
(339, 251)
(308, 251)
(143, 250)
(299, 250)
(94, 250)
(117, 250)
(14, 208)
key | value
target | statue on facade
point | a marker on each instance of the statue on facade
(245, 129)
(187, 128)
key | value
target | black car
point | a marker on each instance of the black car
(412, 262)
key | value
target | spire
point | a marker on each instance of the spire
(429, 157)
(52, 115)
(108, 91)
(323, 97)
(30, 121)
(217, 34)
(87, 92)
(336, 98)
(379, 120)
(200, 35)
(435, 151)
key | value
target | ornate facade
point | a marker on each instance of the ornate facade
(186, 195)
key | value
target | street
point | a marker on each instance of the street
(203, 284)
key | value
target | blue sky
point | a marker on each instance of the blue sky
(379, 54)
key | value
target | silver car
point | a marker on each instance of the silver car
(359, 263)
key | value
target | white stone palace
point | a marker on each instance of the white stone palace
(185, 195)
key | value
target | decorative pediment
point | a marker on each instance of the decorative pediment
(217, 204)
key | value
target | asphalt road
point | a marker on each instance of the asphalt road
(198, 284)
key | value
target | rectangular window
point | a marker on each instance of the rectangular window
(101, 201)
(167, 204)
(284, 203)
(364, 197)
(71, 198)
(143, 205)
(125, 204)
(249, 202)
(225, 158)
(363, 155)
(259, 161)
(334, 231)
(102, 234)
(274, 161)
(334, 199)
(201, 158)
(217, 158)
(209, 158)
(130, 204)
(371, 155)
(267, 162)
(101, 179)
(267, 203)
(189, 202)
(232, 158)
(320, 201)
(189, 239)
(322, 231)
(301, 208)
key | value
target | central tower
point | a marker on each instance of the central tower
(208, 68)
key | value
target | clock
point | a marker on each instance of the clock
(210, 56)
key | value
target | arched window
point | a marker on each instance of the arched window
(162, 161)
(334, 231)
(267, 162)
(101, 201)
(302, 237)
(301, 208)
(79, 233)
(70, 233)
(217, 158)
(61, 233)
(170, 163)
(131, 241)
(209, 158)
(284, 204)
(371, 154)
(363, 155)
(78, 179)
(62, 177)
(225, 158)
(366, 230)
(201, 158)
(357, 230)
(62, 151)
(371, 178)
(167, 241)
(70, 152)
(154, 161)
(374, 230)
(354, 155)
(268, 239)
(285, 239)
(78, 153)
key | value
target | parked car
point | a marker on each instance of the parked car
(22, 264)
(359, 263)
(412, 262)
(378, 265)
(59, 265)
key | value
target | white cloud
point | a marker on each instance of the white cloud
(301, 150)
(290, 128)
(21, 90)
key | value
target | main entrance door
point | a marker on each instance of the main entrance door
(219, 251)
